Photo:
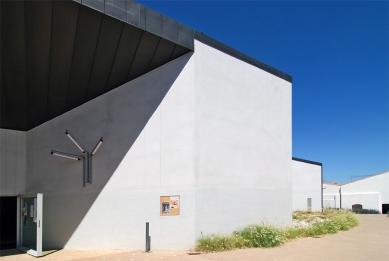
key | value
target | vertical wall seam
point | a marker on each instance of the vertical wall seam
(71, 64)
(133, 58)
(16, 161)
(114, 59)
(94, 57)
(25, 49)
(51, 41)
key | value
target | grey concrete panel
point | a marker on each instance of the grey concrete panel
(169, 30)
(162, 54)
(10, 158)
(109, 37)
(38, 17)
(133, 13)
(94, 4)
(21, 162)
(3, 104)
(178, 51)
(125, 54)
(3, 162)
(153, 22)
(144, 55)
(14, 63)
(142, 17)
(56, 106)
(88, 29)
(116, 8)
(185, 36)
(64, 27)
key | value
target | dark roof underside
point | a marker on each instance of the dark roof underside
(57, 55)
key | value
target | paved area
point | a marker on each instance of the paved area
(368, 241)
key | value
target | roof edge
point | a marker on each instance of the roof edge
(307, 161)
(239, 55)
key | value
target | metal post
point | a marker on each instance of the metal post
(148, 239)
(89, 167)
(340, 198)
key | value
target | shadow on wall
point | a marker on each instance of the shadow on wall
(119, 116)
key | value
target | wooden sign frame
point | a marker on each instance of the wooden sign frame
(169, 205)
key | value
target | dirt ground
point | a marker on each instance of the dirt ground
(368, 241)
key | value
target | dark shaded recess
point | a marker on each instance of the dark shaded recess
(144, 55)
(3, 102)
(385, 209)
(57, 55)
(8, 222)
(125, 54)
(109, 37)
(162, 53)
(88, 28)
(38, 34)
(63, 35)
(13, 56)
(178, 51)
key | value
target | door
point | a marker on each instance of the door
(8, 222)
(29, 229)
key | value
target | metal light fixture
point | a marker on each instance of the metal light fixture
(97, 146)
(65, 155)
(74, 141)
(88, 165)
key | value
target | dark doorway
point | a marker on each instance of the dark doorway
(356, 207)
(385, 208)
(8, 222)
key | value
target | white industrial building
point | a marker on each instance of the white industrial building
(307, 179)
(182, 116)
(367, 193)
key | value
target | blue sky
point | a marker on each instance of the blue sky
(337, 54)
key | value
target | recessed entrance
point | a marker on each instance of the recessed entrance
(8, 222)
(356, 207)
(385, 208)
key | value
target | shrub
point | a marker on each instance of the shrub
(331, 222)
(261, 236)
(215, 243)
(366, 211)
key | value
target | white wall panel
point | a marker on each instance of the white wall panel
(306, 184)
(12, 162)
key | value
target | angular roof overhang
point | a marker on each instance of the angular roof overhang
(57, 55)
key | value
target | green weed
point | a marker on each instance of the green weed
(265, 236)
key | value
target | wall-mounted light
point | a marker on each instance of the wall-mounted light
(97, 146)
(66, 155)
(74, 141)
(88, 165)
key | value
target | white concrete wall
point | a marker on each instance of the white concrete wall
(206, 126)
(148, 152)
(243, 144)
(331, 198)
(367, 200)
(365, 190)
(12, 162)
(306, 184)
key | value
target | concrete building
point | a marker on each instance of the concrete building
(182, 116)
(307, 185)
(367, 193)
